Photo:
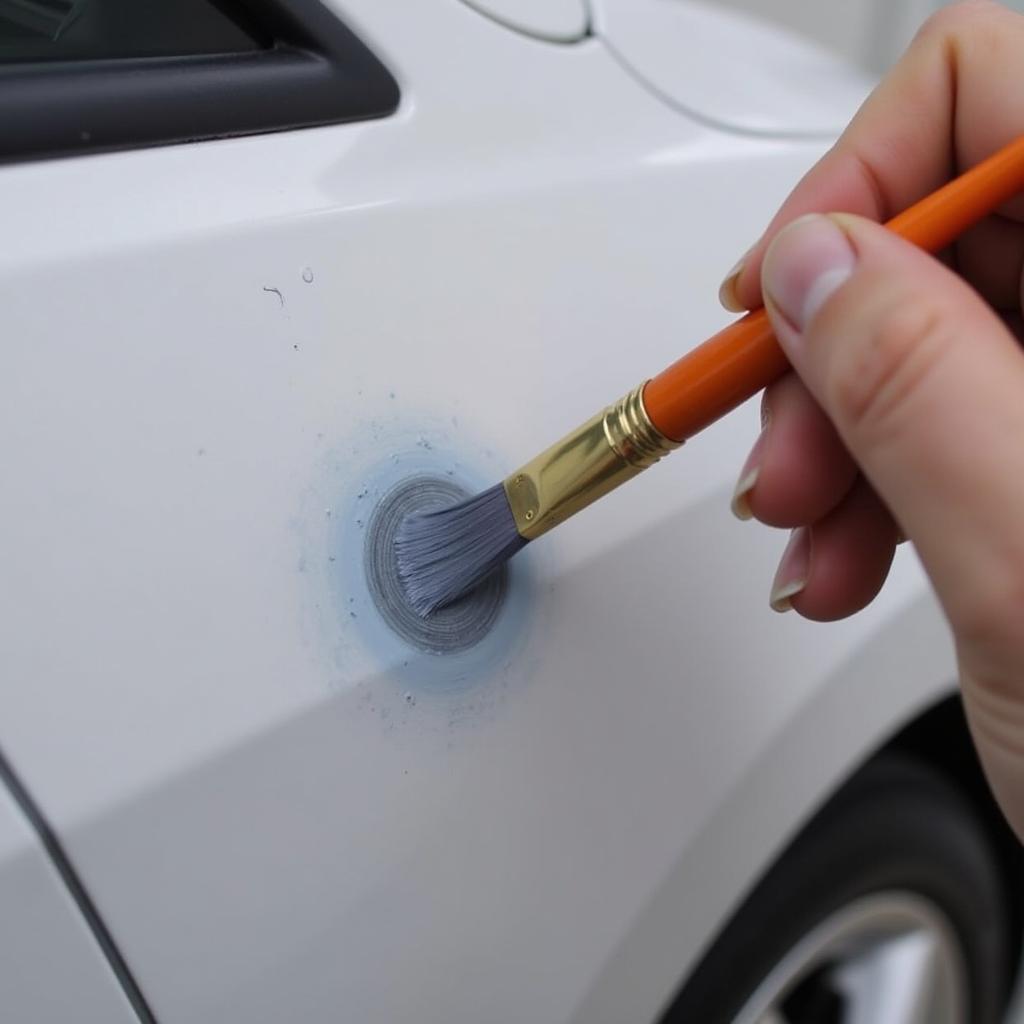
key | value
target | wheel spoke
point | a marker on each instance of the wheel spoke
(897, 982)
(887, 958)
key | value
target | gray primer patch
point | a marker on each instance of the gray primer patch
(457, 626)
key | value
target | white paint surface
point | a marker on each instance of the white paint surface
(202, 347)
(732, 71)
(559, 21)
(51, 968)
(871, 33)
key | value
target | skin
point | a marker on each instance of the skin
(904, 417)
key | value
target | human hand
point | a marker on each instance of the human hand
(907, 404)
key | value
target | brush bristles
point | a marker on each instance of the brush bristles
(444, 553)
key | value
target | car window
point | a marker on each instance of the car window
(62, 30)
(81, 76)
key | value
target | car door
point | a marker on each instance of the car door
(221, 355)
(58, 960)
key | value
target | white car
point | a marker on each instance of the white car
(266, 265)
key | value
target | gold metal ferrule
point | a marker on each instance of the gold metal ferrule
(606, 451)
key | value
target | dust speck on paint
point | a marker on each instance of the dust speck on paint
(277, 292)
(307, 275)
(201, 451)
(391, 394)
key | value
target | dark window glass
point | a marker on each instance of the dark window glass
(75, 30)
(87, 76)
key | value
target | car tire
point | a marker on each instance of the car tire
(899, 842)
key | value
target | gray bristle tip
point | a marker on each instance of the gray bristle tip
(446, 552)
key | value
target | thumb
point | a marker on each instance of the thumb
(926, 388)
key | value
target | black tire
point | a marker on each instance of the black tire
(897, 824)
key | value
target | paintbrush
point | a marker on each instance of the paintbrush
(444, 553)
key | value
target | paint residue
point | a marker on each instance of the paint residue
(450, 691)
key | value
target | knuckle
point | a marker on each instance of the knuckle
(996, 714)
(955, 19)
(876, 380)
(988, 629)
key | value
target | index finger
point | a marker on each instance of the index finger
(955, 97)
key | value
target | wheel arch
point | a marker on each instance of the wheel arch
(940, 737)
(936, 736)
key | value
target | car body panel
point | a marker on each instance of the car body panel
(730, 70)
(559, 21)
(52, 966)
(224, 355)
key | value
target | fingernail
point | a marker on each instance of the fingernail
(727, 290)
(791, 576)
(805, 264)
(740, 503)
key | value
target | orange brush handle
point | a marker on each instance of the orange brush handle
(740, 360)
